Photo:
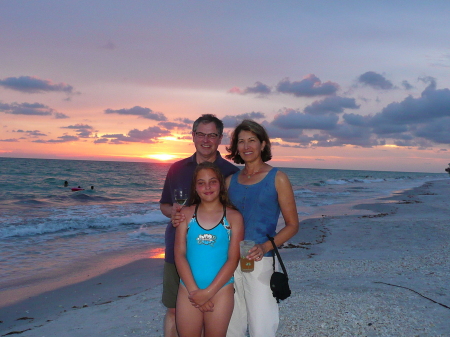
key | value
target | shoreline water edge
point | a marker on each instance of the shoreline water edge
(378, 269)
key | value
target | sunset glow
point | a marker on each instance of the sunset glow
(161, 156)
(132, 94)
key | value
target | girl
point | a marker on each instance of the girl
(206, 256)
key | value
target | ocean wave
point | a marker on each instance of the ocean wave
(77, 222)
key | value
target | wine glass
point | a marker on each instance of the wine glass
(181, 196)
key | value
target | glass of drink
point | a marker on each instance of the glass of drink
(181, 196)
(246, 264)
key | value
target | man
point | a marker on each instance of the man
(207, 132)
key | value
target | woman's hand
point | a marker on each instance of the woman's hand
(257, 252)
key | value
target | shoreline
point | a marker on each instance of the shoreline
(337, 259)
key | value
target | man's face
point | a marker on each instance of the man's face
(205, 143)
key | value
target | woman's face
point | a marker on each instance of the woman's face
(249, 146)
(207, 185)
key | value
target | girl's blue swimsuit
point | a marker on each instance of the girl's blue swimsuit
(207, 249)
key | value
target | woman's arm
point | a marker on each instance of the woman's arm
(288, 207)
(237, 235)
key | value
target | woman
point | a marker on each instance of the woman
(206, 256)
(260, 192)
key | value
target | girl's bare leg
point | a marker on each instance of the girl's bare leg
(189, 320)
(216, 322)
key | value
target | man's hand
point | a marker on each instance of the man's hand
(177, 217)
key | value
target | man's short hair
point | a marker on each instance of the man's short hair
(208, 118)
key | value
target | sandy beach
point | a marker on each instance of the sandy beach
(383, 271)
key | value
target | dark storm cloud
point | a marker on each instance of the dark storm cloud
(293, 119)
(32, 85)
(232, 121)
(375, 80)
(334, 104)
(310, 86)
(139, 111)
(149, 135)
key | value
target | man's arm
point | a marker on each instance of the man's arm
(166, 209)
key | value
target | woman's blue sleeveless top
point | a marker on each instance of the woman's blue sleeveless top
(258, 204)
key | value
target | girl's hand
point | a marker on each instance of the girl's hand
(177, 216)
(199, 297)
(257, 252)
(208, 306)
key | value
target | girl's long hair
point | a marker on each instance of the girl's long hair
(223, 194)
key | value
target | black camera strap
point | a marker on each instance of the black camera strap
(278, 256)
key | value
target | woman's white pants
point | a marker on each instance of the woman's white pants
(254, 304)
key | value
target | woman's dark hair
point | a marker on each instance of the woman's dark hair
(223, 194)
(259, 131)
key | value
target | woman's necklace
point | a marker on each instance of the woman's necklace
(251, 175)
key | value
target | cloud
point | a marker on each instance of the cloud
(375, 80)
(33, 85)
(277, 132)
(232, 121)
(35, 133)
(334, 104)
(433, 103)
(293, 119)
(10, 140)
(437, 131)
(310, 86)
(406, 85)
(345, 134)
(185, 120)
(62, 139)
(84, 130)
(149, 135)
(31, 109)
(78, 127)
(356, 120)
(259, 88)
(60, 115)
(109, 45)
(139, 111)
(172, 125)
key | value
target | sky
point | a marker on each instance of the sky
(346, 84)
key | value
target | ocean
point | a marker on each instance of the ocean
(44, 225)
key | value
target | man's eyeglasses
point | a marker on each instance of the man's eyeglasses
(202, 135)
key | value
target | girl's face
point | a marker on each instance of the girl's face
(207, 185)
(249, 146)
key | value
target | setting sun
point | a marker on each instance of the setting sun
(161, 156)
